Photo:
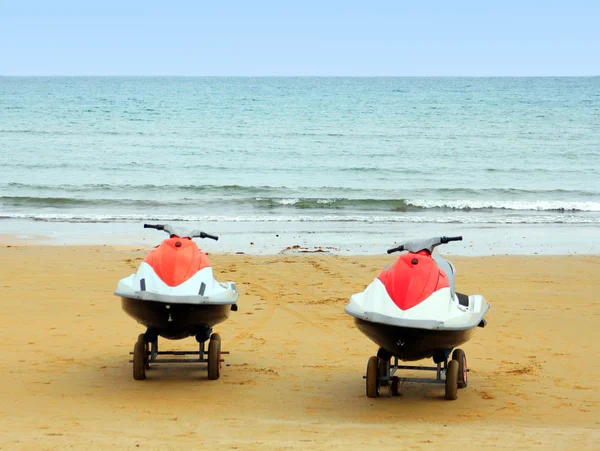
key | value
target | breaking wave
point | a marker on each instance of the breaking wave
(249, 197)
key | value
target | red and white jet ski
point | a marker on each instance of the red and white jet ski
(174, 294)
(412, 312)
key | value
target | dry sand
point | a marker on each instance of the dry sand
(293, 379)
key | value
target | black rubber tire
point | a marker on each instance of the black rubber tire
(395, 386)
(214, 359)
(452, 380)
(215, 337)
(147, 354)
(383, 372)
(373, 377)
(461, 358)
(139, 359)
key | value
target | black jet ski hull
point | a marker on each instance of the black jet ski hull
(178, 320)
(409, 344)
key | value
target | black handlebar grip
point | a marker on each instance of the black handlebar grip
(212, 237)
(154, 226)
(447, 239)
(395, 249)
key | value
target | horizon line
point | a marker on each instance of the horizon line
(294, 76)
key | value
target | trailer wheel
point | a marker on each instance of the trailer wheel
(395, 386)
(373, 377)
(214, 359)
(383, 372)
(452, 380)
(147, 355)
(139, 359)
(461, 358)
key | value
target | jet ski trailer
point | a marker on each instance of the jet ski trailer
(412, 312)
(175, 295)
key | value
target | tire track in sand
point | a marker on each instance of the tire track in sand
(272, 298)
(258, 323)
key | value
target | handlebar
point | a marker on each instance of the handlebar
(428, 244)
(172, 231)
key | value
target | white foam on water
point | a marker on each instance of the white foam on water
(519, 205)
(560, 218)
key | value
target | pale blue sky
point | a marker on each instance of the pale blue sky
(306, 37)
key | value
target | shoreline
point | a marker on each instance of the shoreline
(347, 239)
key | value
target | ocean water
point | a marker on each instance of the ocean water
(329, 160)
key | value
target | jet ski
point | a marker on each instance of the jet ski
(412, 312)
(175, 295)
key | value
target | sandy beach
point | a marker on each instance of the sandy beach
(293, 378)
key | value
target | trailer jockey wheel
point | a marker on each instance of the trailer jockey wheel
(383, 372)
(395, 386)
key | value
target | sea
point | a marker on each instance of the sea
(347, 165)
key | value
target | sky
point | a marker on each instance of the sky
(300, 38)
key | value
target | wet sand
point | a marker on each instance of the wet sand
(293, 379)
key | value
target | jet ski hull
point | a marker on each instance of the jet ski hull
(409, 344)
(175, 321)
